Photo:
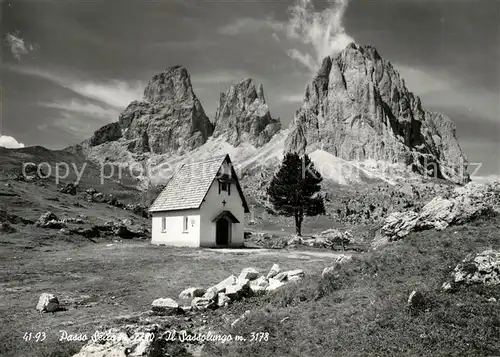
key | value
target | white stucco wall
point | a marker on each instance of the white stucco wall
(213, 206)
(174, 234)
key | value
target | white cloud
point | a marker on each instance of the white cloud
(9, 142)
(86, 108)
(115, 93)
(245, 25)
(323, 31)
(304, 58)
(18, 47)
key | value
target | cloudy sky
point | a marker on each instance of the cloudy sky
(69, 67)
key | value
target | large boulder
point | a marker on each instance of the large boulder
(358, 107)
(463, 205)
(47, 303)
(483, 268)
(399, 224)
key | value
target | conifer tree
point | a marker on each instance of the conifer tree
(294, 189)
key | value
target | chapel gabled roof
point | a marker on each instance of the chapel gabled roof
(189, 186)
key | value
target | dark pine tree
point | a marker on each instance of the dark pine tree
(294, 189)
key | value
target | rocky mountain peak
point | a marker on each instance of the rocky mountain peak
(171, 85)
(169, 119)
(357, 107)
(242, 115)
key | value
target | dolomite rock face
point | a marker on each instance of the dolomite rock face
(243, 116)
(357, 107)
(169, 119)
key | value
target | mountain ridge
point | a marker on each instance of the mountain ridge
(357, 108)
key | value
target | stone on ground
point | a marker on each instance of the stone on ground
(236, 291)
(249, 273)
(223, 300)
(165, 306)
(47, 303)
(221, 287)
(258, 286)
(280, 277)
(202, 303)
(241, 318)
(45, 218)
(416, 300)
(211, 294)
(274, 284)
(295, 274)
(275, 270)
(483, 268)
(192, 292)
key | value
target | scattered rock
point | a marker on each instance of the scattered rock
(223, 300)
(241, 318)
(341, 259)
(328, 271)
(295, 274)
(447, 286)
(483, 268)
(259, 285)
(416, 301)
(464, 205)
(73, 221)
(274, 284)
(48, 219)
(275, 270)
(47, 303)
(221, 287)
(97, 197)
(249, 273)
(165, 306)
(190, 293)
(281, 276)
(203, 303)
(69, 189)
(236, 291)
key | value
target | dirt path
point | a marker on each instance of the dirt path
(285, 253)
